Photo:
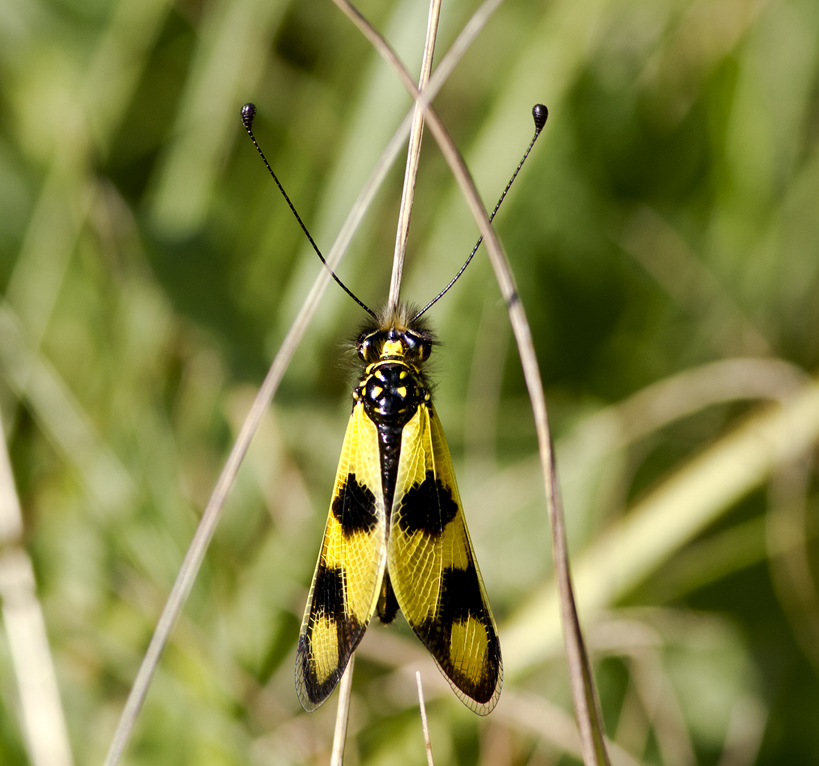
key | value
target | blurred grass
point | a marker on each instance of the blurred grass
(666, 221)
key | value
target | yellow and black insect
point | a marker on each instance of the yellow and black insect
(396, 536)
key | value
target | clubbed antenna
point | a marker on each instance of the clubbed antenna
(540, 113)
(248, 113)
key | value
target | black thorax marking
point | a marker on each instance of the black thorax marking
(391, 392)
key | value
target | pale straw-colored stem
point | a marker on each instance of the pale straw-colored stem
(583, 692)
(342, 714)
(424, 723)
(413, 155)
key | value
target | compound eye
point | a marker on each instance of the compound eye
(364, 349)
(424, 351)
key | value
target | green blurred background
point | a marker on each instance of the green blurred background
(664, 238)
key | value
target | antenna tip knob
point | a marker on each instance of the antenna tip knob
(248, 113)
(539, 112)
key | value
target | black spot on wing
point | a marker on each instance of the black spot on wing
(354, 507)
(427, 507)
(328, 603)
(328, 596)
(460, 600)
(461, 595)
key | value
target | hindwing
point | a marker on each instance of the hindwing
(433, 569)
(350, 567)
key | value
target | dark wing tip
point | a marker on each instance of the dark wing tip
(313, 694)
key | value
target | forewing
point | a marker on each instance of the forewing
(350, 567)
(433, 569)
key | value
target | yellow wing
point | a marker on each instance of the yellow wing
(350, 567)
(433, 569)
